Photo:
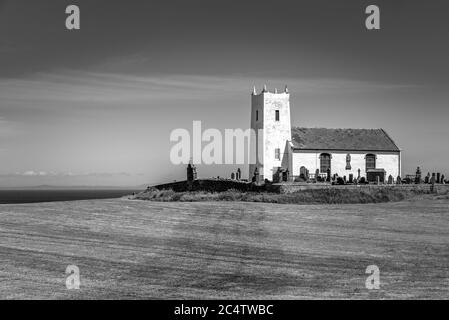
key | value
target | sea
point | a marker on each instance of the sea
(50, 195)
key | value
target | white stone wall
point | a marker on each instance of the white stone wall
(257, 104)
(390, 161)
(275, 133)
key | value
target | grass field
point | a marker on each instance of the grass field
(142, 249)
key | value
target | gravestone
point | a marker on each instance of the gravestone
(398, 180)
(427, 178)
(232, 176)
(351, 178)
(255, 177)
(390, 179)
(303, 173)
(418, 176)
(328, 175)
(438, 177)
(276, 175)
(191, 172)
(239, 174)
(358, 174)
(285, 175)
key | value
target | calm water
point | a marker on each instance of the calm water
(29, 196)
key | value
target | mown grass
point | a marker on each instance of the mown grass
(316, 196)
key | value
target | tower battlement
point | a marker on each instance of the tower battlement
(265, 90)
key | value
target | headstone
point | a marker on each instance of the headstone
(358, 174)
(276, 175)
(351, 178)
(438, 178)
(328, 175)
(285, 175)
(191, 172)
(232, 176)
(427, 178)
(239, 174)
(317, 175)
(255, 175)
(418, 176)
(398, 180)
(390, 179)
(303, 173)
(344, 179)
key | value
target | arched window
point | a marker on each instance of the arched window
(325, 162)
(370, 161)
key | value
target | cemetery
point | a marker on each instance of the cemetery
(317, 188)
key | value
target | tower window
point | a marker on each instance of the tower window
(277, 115)
(277, 154)
(257, 115)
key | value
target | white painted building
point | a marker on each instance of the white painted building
(291, 151)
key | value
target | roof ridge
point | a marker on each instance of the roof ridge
(388, 136)
(297, 127)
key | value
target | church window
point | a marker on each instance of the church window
(325, 162)
(277, 115)
(257, 115)
(370, 161)
(277, 154)
(348, 162)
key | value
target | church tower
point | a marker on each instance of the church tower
(270, 111)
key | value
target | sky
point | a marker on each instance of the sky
(96, 106)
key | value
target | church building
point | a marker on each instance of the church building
(288, 151)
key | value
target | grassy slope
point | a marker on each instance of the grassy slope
(141, 249)
(315, 196)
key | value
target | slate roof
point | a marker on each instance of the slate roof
(342, 139)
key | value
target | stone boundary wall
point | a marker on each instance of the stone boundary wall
(210, 185)
(221, 185)
(290, 188)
